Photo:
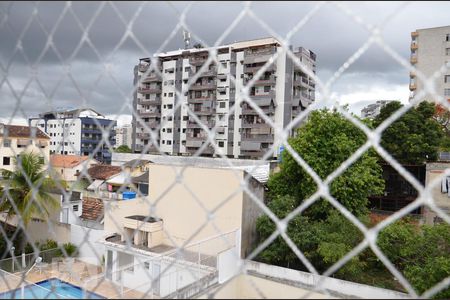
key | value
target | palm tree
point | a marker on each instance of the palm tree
(26, 191)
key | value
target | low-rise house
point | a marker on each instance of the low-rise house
(205, 211)
(440, 192)
(16, 139)
(70, 167)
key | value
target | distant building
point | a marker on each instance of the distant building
(77, 132)
(17, 139)
(69, 167)
(124, 136)
(430, 51)
(373, 110)
(281, 92)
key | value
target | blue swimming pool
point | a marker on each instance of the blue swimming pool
(53, 288)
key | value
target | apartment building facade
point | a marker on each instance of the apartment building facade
(372, 110)
(430, 51)
(124, 136)
(16, 139)
(77, 132)
(281, 92)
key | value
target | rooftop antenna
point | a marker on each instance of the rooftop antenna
(187, 38)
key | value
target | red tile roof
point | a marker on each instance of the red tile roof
(92, 209)
(103, 172)
(66, 161)
(22, 132)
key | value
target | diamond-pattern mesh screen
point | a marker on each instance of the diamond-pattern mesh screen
(106, 74)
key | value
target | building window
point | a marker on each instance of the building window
(267, 88)
(185, 118)
(147, 96)
(147, 265)
(169, 130)
(447, 78)
(447, 38)
(7, 143)
(6, 161)
(170, 94)
(169, 142)
(222, 104)
(447, 92)
(75, 208)
(447, 51)
(221, 144)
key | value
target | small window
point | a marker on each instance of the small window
(221, 143)
(169, 130)
(447, 78)
(75, 208)
(185, 118)
(447, 92)
(447, 38)
(7, 143)
(222, 104)
(147, 265)
(169, 106)
(169, 119)
(6, 161)
(147, 96)
(447, 51)
(170, 94)
(267, 88)
(169, 142)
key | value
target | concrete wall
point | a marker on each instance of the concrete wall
(86, 239)
(252, 287)
(333, 285)
(181, 213)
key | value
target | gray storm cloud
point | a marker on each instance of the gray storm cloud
(330, 33)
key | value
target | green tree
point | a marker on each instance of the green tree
(413, 138)
(325, 141)
(123, 149)
(28, 189)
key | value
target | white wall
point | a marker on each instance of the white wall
(347, 288)
(90, 251)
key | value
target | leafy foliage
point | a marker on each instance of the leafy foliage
(413, 138)
(123, 149)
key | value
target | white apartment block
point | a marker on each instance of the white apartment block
(430, 51)
(124, 136)
(372, 110)
(281, 92)
(77, 132)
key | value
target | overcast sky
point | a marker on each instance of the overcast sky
(330, 33)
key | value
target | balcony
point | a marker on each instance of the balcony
(143, 135)
(255, 125)
(201, 99)
(208, 73)
(250, 111)
(269, 95)
(267, 138)
(259, 56)
(193, 124)
(412, 86)
(152, 78)
(143, 113)
(204, 111)
(153, 90)
(262, 81)
(195, 61)
(413, 59)
(414, 46)
(412, 74)
(414, 34)
(255, 69)
(156, 101)
(302, 82)
(200, 87)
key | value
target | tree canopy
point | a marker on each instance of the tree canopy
(415, 137)
(123, 149)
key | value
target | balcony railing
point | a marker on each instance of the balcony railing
(205, 111)
(262, 81)
(413, 59)
(258, 138)
(251, 111)
(143, 135)
(201, 99)
(207, 73)
(144, 113)
(249, 69)
(199, 87)
(197, 60)
(414, 34)
(414, 46)
(412, 86)
(193, 124)
(255, 125)
(154, 90)
(156, 101)
(152, 78)
(143, 68)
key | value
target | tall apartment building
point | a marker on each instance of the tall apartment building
(77, 132)
(281, 92)
(124, 135)
(430, 50)
(372, 110)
